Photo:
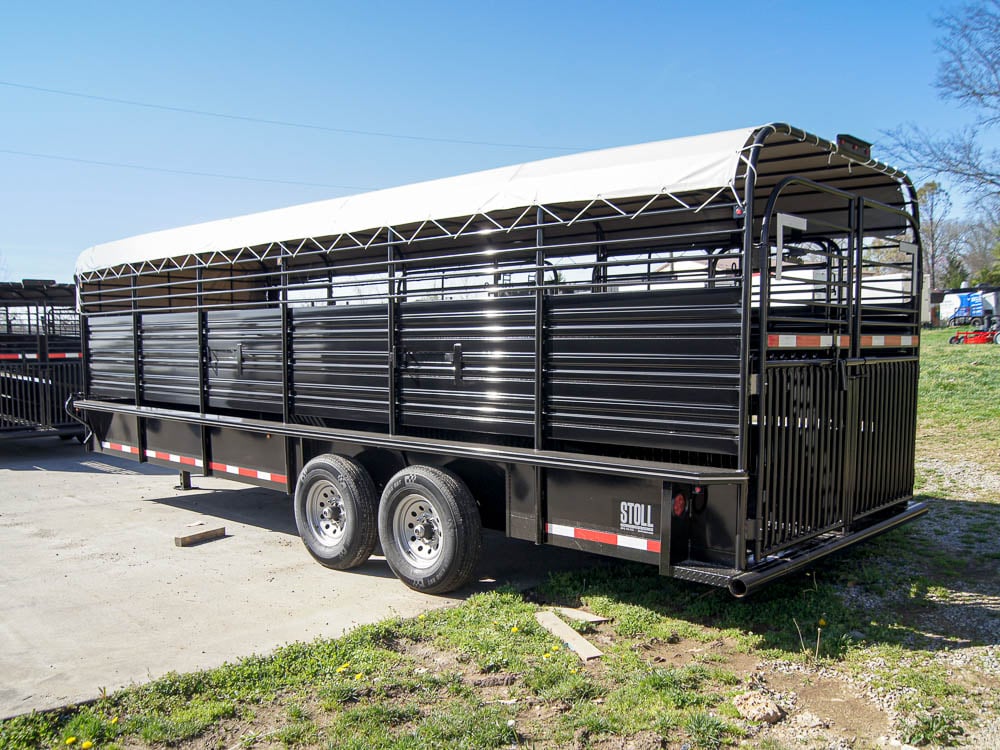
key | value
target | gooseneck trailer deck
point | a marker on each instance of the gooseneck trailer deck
(40, 366)
(699, 354)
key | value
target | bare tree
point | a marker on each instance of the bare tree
(969, 74)
(981, 243)
(935, 205)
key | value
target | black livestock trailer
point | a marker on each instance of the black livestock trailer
(700, 354)
(40, 364)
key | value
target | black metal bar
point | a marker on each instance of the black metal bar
(539, 395)
(707, 475)
(747, 583)
(392, 313)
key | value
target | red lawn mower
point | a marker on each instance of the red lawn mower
(989, 335)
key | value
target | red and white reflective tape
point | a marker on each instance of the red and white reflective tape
(808, 341)
(175, 458)
(793, 341)
(32, 355)
(604, 537)
(889, 341)
(120, 447)
(267, 476)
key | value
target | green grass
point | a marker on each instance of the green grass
(381, 686)
(959, 398)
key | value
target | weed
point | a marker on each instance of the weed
(296, 733)
(707, 732)
(180, 724)
(931, 729)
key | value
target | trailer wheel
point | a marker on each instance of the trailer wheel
(336, 508)
(430, 529)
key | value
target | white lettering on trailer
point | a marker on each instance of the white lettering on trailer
(636, 517)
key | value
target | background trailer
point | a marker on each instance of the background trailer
(699, 354)
(40, 365)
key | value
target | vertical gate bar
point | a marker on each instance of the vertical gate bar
(541, 510)
(866, 448)
(777, 443)
(815, 458)
(539, 427)
(785, 455)
(201, 320)
(828, 426)
(286, 345)
(911, 448)
(392, 309)
(794, 455)
(774, 434)
(880, 434)
(140, 431)
(815, 475)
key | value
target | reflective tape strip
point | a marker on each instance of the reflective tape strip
(120, 447)
(175, 458)
(267, 476)
(873, 341)
(603, 537)
(32, 355)
(802, 341)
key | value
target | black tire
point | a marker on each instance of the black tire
(977, 322)
(430, 529)
(336, 511)
(954, 340)
(996, 337)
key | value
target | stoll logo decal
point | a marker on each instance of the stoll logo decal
(637, 517)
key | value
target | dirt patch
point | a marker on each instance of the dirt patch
(823, 702)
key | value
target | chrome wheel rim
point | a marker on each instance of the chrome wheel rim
(417, 531)
(326, 512)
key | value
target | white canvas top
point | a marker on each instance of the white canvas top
(674, 166)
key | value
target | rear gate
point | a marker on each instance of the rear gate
(838, 336)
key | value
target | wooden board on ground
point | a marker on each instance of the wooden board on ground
(583, 648)
(201, 536)
(579, 614)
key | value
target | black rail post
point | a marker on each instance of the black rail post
(287, 365)
(203, 360)
(140, 423)
(539, 400)
(391, 314)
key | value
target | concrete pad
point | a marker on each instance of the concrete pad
(95, 594)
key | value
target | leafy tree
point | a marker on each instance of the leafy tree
(955, 273)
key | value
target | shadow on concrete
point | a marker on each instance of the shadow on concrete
(53, 454)
(503, 562)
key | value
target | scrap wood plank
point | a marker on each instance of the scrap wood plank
(581, 615)
(583, 648)
(200, 536)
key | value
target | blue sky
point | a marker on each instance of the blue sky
(540, 77)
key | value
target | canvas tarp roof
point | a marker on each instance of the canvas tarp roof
(680, 165)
